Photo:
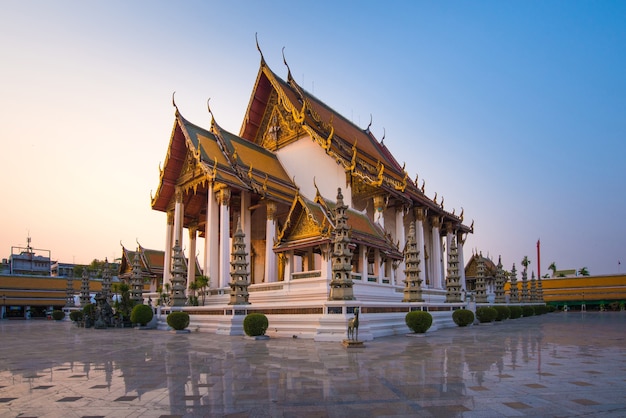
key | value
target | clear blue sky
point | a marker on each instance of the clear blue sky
(515, 111)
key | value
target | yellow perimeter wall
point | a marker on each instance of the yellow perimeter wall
(581, 288)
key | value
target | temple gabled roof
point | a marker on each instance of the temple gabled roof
(151, 262)
(278, 107)
(195, 155)
(311, 223)
(471, 267)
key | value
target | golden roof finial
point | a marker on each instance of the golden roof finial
(256, 38)
(370, 124)
(174, 101)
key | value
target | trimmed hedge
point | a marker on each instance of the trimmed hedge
(463, 317)
(58, 315)
(503, 312)
(516, 311)
(418, 321)
(255, 324)
(89, 311)
(528, 310)
(76, 316)
(178, 320)
(141, 314)
(486, 314)
(541, 309)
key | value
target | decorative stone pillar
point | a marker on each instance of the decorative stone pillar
(514, 295)
(167, 260)
(524, 286)
(460, 242)
(453, 284)
(191, 266)
(136, 280)
(533, 288)
(85, 298)
(481, 292)
(211, 239)
(246, 227)
(449, 234)
(106, 282)
(539, 290)
(69, 294)
(177, 293)
(223, 198)
(341, 282)
(239, 280)
(500, 279)
(436, 252)
(270, 236)
(412, 281)
(420, 217)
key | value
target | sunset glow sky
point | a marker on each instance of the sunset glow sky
(515, 111)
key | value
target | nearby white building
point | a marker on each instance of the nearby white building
(278, 181)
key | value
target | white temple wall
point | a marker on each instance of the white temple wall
(305, 160)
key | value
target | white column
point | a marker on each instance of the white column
(211, 237)
(270, 235)
(363, 249)
(167, 259)
(436, 252)
(400, 236)
(224, 273)
(179, 213)
(459, 244)
(420, 218)
(449, 235)
(191, 267)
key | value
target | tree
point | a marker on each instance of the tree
(583, 271)
(553, 268)
(525, 262)
(193, 299)
(203, 283)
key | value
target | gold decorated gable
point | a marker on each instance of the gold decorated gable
(305, 227)
(280, 128)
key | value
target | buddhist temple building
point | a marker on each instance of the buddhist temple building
(280, 180)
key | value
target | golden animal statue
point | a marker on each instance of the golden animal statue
(353, 326)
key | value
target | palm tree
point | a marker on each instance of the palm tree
(525, 262)
(583, 271)
(553, 268)
(203, 283)
(193, 299)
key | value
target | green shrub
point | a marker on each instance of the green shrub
(89, 311)
(178, 320)
(551, 308)
(541, 309)
(463, 317)
(516, 311)
(527, 310)
(255, 324)
(503, 312)
(141, 314)
(418, 321)
(76, 316)
(486, 314)
(58, 315)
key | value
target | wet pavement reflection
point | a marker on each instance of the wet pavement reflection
(560, 365)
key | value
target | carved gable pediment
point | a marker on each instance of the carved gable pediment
(279, 128)
(305, 227)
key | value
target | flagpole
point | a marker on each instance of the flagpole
(539, 258)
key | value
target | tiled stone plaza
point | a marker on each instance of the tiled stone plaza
(555, 365)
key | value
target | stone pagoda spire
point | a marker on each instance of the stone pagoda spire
(500, 279)
(136, 280)
(539, 290)
(453, 281)
(341, 282)
(69, 293)
(514, 295)
(533, 288)
(85, 298)
(413, 282)
(179, 276)
(481, 288)
(106, 281)
(525, 287)
(239, 281)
